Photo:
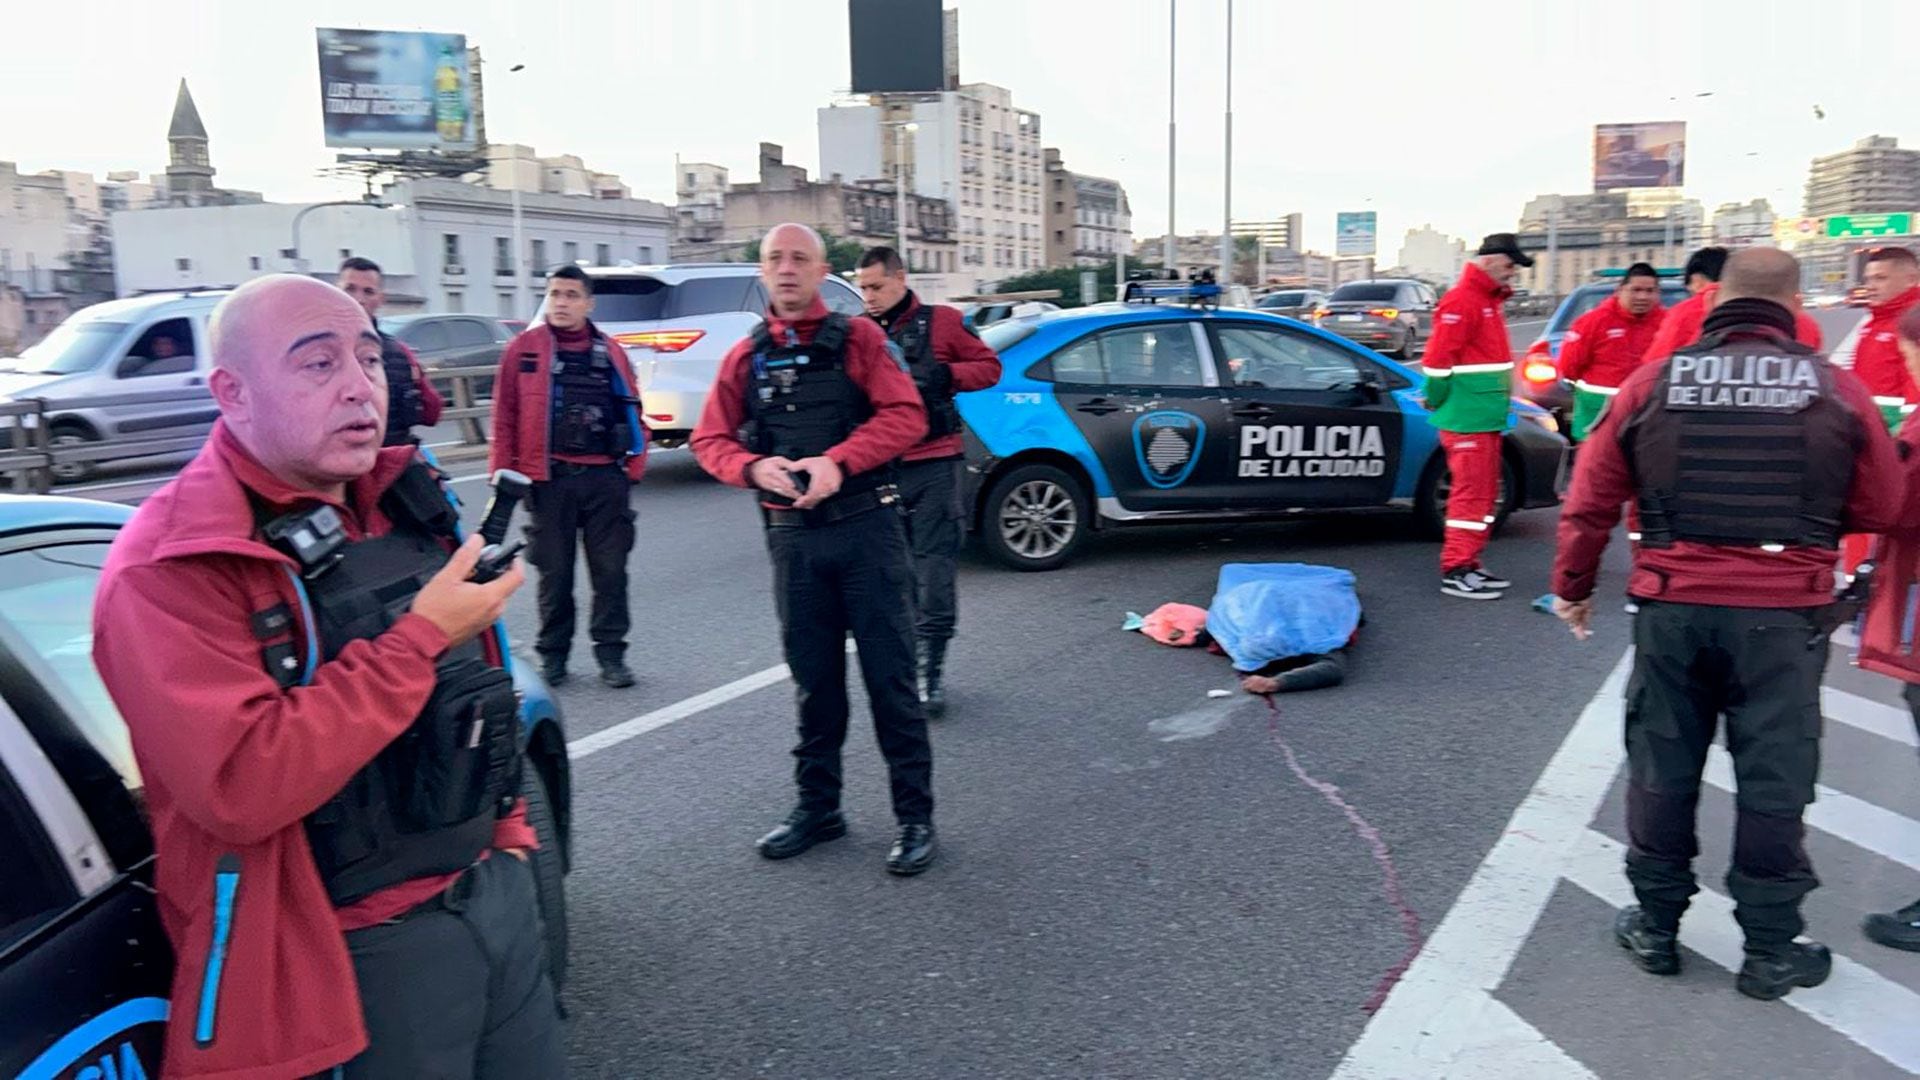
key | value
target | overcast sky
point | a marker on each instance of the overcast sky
(1436, 111)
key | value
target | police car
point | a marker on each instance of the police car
(1165, 407)
(84, 965)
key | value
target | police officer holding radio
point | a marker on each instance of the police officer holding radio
(566, 412)
(811, 411)
(945, 358)
(1747, 455)
(411, 399)
(329, 743)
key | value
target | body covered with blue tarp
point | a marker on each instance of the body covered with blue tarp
(1263, 612)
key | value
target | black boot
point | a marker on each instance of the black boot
(1771, 974)
(1656, 950)
(912, 850)
(802, 830)
(553, 668)
(616, 673)
(933, 662)
(1897, 930)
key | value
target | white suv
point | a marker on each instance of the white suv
(677, 323)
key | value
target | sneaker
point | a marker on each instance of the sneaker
(1492, 580)
(1899, 930)
(1656, 950)
(1469, 585)
(1772, 974)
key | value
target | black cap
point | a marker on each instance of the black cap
(1505, 243)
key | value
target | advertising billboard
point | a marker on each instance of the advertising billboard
(396, 90)
(1639, 155)
(1354, 232)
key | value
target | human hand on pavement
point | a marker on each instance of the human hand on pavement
(774, 476)
(823, 480)
(1577, 614)
(461, 608)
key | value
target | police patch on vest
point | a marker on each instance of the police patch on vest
(1167, 446)
(1763, 383)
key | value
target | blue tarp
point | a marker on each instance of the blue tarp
(1262, 612)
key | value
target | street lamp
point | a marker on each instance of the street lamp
(519, 263)
(901, 129)
(293, 253)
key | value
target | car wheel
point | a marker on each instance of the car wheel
(1035, 517)
(1430, 504)
(549, 880)
(70, 433)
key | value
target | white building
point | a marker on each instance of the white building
(444, 245)
(36, 228)
(511, 165)
(1431, 255)
(1747, 224)
(970, 146)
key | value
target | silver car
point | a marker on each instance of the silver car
(677, 323)
(133, 369)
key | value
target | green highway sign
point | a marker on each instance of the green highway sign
(1869, 225)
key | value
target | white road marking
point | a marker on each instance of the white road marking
(1856, 1001)
(1430, 1023)
(1886, 721)
(1836, 813)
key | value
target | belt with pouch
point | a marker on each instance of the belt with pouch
(833, 511)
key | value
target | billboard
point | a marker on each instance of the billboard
(396, 90)
(897, 46)
(1354, 232)
(1639, 155)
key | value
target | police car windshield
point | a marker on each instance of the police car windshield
(1589, 297)
(73, 347)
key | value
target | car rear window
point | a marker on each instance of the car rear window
(1367, 292)
(1589, 297)
(1284, 299)
(646, 299)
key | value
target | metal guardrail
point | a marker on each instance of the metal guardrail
(28, 454)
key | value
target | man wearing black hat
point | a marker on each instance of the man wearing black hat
(1469, 366)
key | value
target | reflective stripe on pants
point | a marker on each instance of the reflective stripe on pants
(1474, 461)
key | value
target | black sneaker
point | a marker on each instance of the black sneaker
(1900, 930)
(553, 669)
(1656, 951)
(1469, 585)
(1770, 975)
(802, 830)
(1492, 580)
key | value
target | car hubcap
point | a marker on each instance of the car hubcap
(1038, 519)
(71, 471)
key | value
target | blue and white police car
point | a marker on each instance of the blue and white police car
(84, 966)
(1164, 407)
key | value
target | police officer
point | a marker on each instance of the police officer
(411, 399)
(566, 412)
(1748, 455)
(945, 358)
(333, 784)
(811, 411)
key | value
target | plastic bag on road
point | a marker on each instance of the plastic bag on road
(1264, 612)
(1179, 625)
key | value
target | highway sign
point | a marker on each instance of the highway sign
(1869, 225)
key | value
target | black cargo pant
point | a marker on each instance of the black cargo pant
(1760, 668)
(931, 491)
(594, 504)
(852, 576)
(458, 987)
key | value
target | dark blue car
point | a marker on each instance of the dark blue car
(84, 966)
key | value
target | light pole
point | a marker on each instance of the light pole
(1168, 246)
(900, 133)
(293, 253)
(1226, 198)
(521, 264)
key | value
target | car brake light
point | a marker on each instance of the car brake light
(1540, 371)
(1385, 312)
(668, 341)
(1321, 313)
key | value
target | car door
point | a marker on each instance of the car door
(159, 384)
(1309, 422)
(1148, 401)
(470, 344)
(84, 964)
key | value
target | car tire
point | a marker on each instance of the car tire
(1035, 518)
(1430, 503)
(547, 864)
(72, 433)
(1407, 348)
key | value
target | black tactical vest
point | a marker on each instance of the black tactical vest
(801, 402)
(915, 338)
(587, 415)
(1743, 444)
(425, 805)
(405, 404)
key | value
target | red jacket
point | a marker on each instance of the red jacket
(975, 367)
(233, 764)
(431, 403)
(1888, 633)
(1470, 324)
(523, 409)
(1694, 573)
(1684, 320)
(899, 418)
(1876, 359)
(1606, 345)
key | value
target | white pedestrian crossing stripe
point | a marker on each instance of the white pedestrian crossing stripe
(1444, 1019)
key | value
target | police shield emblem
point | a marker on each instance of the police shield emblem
(1167, 446)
